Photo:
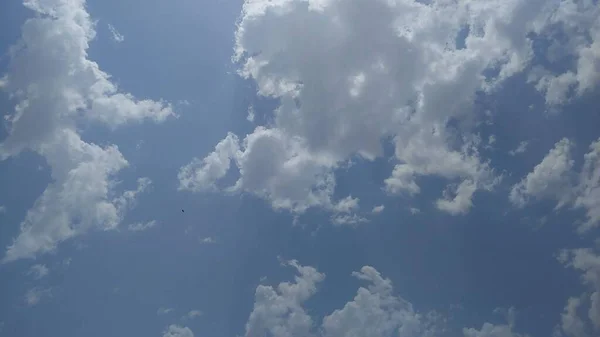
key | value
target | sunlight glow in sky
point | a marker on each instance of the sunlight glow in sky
(298, 168)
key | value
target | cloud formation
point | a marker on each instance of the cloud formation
(349, 82)
(575, 321)
(116, 36)
(178, 331)
(375, 311)
(141, 226)
(56, 86)
(34, 295)
(38, 271)
(555, 179)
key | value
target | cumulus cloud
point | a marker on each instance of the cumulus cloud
(491, 330)
(38, 271)
(554, 178)
(141, 226)
(374, 311)
(116, 36)
(378, 209)
(348, 81)
(579, 23)
(573, 323)
(178, 331)
(550, 178)
(56, 86)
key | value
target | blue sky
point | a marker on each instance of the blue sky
(385, 168)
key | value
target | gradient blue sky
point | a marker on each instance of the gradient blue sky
(496, 123)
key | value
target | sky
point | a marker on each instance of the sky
(295, 168)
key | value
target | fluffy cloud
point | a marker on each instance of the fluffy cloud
(374, 311)
(554, 178)
(56, 86)
(550, 178)
(349, 81)
(178, 331)
(579, 23)
(378, 209)
(491, 330)
(573, 324)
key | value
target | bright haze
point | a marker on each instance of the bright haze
(300, 168)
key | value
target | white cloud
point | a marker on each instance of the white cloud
(521, 148)
(140, 226)
(208, 240)
(178, 331)
(551, 178)
(201, 175)
(2, 209)
(193, 314)
(56, 86)
(581, 28)
(554, 178)
(588, 189)
(457, 200)
(573, 324)
(375, 311)
(414, 210)
(347, 219)
(272, 166)
(491, 330)
(350, 80)
(378, 209)
(117, 37)
(38, 271)
(251, 114)
(34, 295)
(164, 311)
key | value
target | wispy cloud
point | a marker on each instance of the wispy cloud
(520, 149)
(208, 240)
(140, 226)
(164, 311)
(2, 209)
(34, 295)
(192, 314)
(117, 37)
(38, 271)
